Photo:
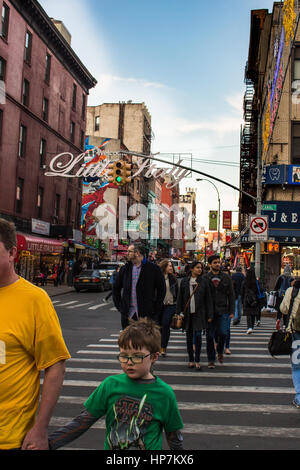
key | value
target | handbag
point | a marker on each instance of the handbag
(272, 299)
(280, 343)
(178, 318)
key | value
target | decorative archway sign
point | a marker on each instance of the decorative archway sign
(58, 167)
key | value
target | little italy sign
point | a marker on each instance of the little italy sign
(60, 167)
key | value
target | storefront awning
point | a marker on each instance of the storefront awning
(38, 244)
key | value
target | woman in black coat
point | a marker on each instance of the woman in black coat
(249, 294)
(169, 304)
(198, 311)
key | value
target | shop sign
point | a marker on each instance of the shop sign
(274, 174)
(286, 215)
(294, 174)
(41, 227)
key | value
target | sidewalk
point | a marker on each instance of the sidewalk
(53, 291)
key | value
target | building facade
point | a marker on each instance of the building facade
(43, 114)
(272, 111)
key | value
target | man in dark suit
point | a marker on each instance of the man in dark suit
(139, 289)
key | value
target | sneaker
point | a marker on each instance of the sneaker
(258, 323)
(296, 404)
(235, 322)
(211, 365)
(249, 331)
(227, 351)
(220, 358)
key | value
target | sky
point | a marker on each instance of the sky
(186, 61)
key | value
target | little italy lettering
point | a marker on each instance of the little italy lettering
(58, 167)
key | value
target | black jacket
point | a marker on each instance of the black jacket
(223, 294)
(203, 304)
(237, 280)
(150, 290)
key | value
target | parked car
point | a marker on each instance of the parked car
(92, 279)
(110, 266)
(178, 266)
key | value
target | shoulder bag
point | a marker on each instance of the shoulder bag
(177, 319)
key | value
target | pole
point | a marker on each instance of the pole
(219, 211)
(259, 194)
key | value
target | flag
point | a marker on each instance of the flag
(213, 220)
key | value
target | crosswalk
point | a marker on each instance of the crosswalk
(92, 305)
(231, 407)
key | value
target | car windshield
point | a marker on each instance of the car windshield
(89, 273)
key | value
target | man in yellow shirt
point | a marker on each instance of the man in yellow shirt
(30, 341)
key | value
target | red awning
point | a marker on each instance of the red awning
(38, 244)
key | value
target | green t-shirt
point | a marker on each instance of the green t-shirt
(136, 413)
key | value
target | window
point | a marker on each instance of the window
(83, 106)
(69, 209)
(72, 132)
(22, 141)
(25, 96)
(45, 109)
(42, 153)
(4, 21)
(19, 195)
(57, 205)
(74, 96)
(40, 201)
(2, 69)
(97, 123)
(28, 44)
(82, 135)
(295, 143)
(48, 67)
(1, 125)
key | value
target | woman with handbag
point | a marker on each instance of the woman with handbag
(169, 304)
(250, 302)
(196, 303)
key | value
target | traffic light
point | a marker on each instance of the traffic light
(119, 173)
(126, 173)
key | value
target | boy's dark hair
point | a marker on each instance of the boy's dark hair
(8, 234)
(212, 258)
(143, 333)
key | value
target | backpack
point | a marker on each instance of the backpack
(285, 284)
(296, 320)
(251, 299)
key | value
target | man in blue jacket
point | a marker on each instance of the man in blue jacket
(140, 288)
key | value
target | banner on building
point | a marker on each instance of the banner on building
(227, 220)
(213, 220)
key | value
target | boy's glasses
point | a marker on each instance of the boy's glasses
(138, 359)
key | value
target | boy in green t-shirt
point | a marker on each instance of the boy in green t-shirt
(137, 405)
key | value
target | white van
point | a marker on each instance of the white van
(178, 266)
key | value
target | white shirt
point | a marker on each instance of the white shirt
(193, 282)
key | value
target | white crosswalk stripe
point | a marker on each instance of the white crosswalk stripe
(247, 383)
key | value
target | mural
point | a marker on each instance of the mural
(95, 191)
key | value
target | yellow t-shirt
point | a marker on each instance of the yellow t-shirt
(30, 341)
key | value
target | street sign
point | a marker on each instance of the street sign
(258, 228)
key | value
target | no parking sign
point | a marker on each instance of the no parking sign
(258, 228)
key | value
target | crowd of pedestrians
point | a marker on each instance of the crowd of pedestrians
(147, 296)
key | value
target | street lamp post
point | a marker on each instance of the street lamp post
(219, 208)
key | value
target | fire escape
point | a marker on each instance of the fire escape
(248, 154)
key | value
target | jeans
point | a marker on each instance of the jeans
(168, 312)
(238, 308)
(227, 343)
(218, 328)
(194, 337)
(295, 359)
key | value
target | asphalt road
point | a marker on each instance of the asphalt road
(243, 404)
